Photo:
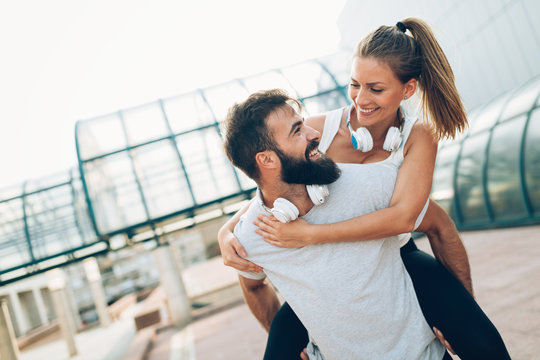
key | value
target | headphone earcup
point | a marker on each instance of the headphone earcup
(393, 139)
(284, 210)
(317, 193)
(361, 139)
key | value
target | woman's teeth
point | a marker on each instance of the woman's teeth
(366, 111)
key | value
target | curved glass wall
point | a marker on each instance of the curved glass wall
(44, 223)
(163, 161)
(496, 165)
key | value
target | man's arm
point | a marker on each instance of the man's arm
(261, 299)
(446, 243)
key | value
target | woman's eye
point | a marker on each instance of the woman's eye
(354, 85)
(376, 90)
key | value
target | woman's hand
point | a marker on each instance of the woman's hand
(231, 252)
(295, 234)
(441, 338)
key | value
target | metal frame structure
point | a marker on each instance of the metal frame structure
(314, 82)
(44, 224)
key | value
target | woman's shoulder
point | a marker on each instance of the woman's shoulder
(420, 127)
(421, 133)
(316, 122)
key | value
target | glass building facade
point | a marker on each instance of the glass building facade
(43, 224)
(491, 176)
(163, 162)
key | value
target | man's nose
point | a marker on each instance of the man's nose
(312, 134)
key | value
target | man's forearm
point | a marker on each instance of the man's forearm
(261, 300)
(450, 251)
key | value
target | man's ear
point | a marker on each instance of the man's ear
(267, 159)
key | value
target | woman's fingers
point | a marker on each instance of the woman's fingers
(238, 247)
(446, 344)
(232, 254)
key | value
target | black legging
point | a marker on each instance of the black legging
(444, 301)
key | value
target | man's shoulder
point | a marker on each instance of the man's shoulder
(245, 227)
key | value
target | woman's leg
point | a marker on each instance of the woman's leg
(287, 337)
(449, 307)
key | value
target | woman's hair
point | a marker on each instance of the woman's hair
(420, 56)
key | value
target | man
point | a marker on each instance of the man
(355, 298)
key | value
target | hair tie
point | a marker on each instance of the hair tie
(401, 27)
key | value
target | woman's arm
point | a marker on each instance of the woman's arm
(231, 250)
(411, 191)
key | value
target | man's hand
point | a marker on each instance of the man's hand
(440, 336)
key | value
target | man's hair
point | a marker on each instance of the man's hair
(246, 132)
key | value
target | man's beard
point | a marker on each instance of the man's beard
(304, 171)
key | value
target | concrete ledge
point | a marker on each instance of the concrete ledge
(150, 314)
(119, 306)
(37, 334)
(140, 346)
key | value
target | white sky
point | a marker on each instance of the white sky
(65, 60)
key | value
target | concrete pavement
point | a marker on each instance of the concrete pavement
(505, 266)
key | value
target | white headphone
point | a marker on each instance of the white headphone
(285, 211)
(361, 138)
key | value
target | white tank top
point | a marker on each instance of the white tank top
(331, 127)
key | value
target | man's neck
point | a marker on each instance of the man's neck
(295, 193)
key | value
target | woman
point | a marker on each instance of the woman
(388, 66)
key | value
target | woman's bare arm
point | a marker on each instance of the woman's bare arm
(231, 249)
(411, 191)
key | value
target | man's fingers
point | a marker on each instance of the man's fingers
(303, 355)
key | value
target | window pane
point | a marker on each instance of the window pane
(13, 241)
(488, 115)
(187, 112)
(442, 190)
(113, 190)
(326, 102)
(222, 97)
(52, 225)
(503, 172)
(145, 123)
(523, 100)
(163, 182)
(100, 136)
(269, 80)
(532, 160)
(309, 79)
(339, 65)
(469, 179)
(206, 163)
